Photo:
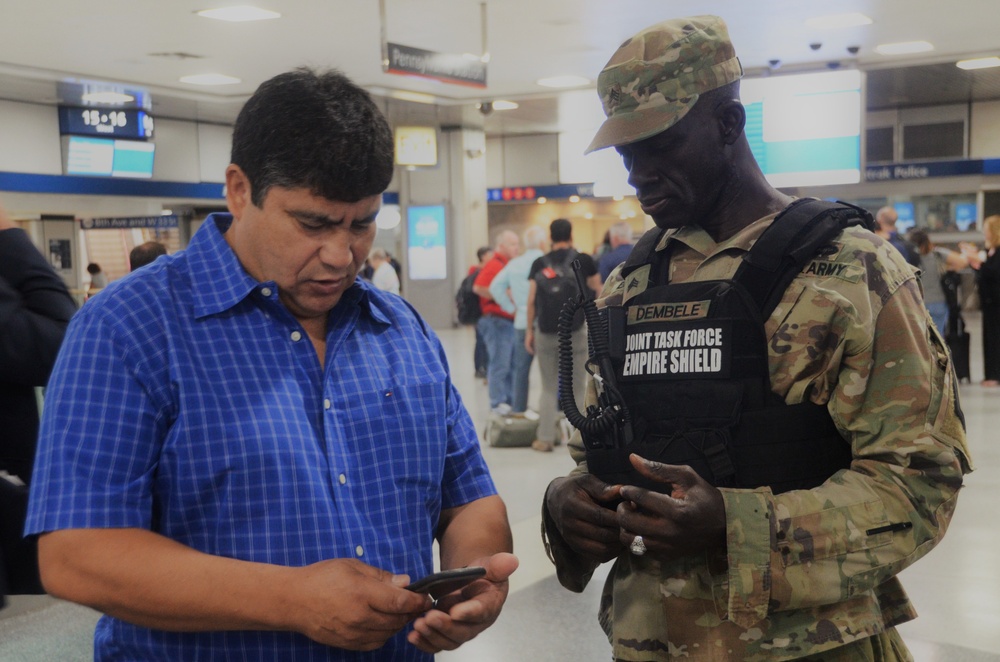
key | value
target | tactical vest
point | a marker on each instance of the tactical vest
(690, 362)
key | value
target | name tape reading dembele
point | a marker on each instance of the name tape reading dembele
(675, 352)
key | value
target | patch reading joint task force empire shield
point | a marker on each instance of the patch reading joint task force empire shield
(699, 349)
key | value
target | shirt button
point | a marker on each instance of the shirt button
(296, 336)
(326, 403)
(342, 478)
(266, 291)
(359, 550)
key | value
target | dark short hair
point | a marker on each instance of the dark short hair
(318, 131)
(145, 253)
(919, 238)
(560, 230)
(482, 251)
(93, 268)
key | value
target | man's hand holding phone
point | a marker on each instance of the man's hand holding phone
(440, 584)
(468, 601)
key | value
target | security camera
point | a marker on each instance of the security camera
(774, 63)
(853, 50)
(816, 45)
(486, 107)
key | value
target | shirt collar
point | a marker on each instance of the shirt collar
(221, 282)
(695, 238)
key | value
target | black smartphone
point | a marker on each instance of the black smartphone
(442, 583)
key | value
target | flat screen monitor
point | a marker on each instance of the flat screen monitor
(426, 246)
(904, 217)
(805, 129)
(965, 216)
(104, 157)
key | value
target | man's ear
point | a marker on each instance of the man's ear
(238, 191)
(732, 119)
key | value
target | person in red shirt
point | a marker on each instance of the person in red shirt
(497, 326)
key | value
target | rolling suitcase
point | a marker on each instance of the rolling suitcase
(510, 430)
(958, 344)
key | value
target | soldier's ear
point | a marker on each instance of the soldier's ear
(732, 118)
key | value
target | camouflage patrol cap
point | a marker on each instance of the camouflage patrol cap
(654, 78)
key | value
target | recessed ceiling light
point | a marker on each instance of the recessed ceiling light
(904, 48)
(107, 97)
(210, 79)
(833, 21)
(979, 63)
(563, 81)
(239, 13)
(503, 104)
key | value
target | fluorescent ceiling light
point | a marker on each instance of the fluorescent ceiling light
(563, 81)
(904, 48)
(107, 97)
(834, 21)
(503, 104)
(979, 63)
(239, 14)
(418, 97)
(210, 79)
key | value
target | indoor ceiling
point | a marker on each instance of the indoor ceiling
(152, 43)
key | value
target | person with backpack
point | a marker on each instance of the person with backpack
(551, 283)
(497, 325)
(776, 431)
(467, 306)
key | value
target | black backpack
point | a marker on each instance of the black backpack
(556, 284)
(467, 301)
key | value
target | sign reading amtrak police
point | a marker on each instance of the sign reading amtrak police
(128, 222)
(679, 350)
(445, 67)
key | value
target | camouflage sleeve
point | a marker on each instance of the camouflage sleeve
(891, 392)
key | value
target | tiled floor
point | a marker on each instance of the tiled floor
(956, 588)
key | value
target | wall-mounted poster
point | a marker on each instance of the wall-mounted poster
(426, 245)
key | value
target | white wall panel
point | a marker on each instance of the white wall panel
(214, 144)
(29, 138)
(984, 136)
(176, 151)
(531, 160)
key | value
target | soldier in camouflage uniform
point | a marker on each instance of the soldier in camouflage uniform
(745, 574)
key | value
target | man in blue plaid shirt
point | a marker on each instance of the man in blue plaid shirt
(246, 452)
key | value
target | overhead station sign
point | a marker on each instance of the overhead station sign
(129, 222)
(445, 67)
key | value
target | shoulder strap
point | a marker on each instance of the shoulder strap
(571, 254)
(643, 252)
(794, 238)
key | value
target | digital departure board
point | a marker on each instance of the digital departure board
(103, 157)
(128, 123)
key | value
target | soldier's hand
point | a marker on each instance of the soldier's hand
(583, 509)
(691, 519)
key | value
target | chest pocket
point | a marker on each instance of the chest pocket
(398, 434)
